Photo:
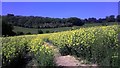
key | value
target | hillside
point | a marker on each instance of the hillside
(14, 25)
(52, 30)
(97, 45)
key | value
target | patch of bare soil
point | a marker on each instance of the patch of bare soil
(66, 61)
(70, 61)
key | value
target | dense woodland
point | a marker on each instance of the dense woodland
(47, 22)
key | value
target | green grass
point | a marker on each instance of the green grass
(35, 31)
(51, 30)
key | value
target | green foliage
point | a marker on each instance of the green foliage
(38, 22)
(47, 22)
(15, 48)
(110, 18)
(47, 31)
(118, 18)
(28, 33)
(40, 32)
(96, 44)
(7, 29)
(19, 33)
(44, 54)
(75, 21)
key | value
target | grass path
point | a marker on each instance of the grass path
(67, 60)
(59, 60)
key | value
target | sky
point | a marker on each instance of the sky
(60, 0)
(61, 9)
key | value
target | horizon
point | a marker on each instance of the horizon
(61, 9)
(55, 17)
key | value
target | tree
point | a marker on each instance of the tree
(118, 18)
(100, 20)
(7, 29)
(75, 21)
(85, 21)
(110, 18)
(92, 20)
(10, 14)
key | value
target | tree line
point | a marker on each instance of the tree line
(47, 22)
(11, 20)
(41, 22)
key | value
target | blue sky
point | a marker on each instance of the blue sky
(61, 9)
(60, 0)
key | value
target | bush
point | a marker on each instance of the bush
(7, 29)
(40, 32)
(19, 33)
(28, 33)
(47, 31)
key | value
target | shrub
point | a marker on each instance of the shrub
(47, 31)
(40, 32)
(28, 33)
